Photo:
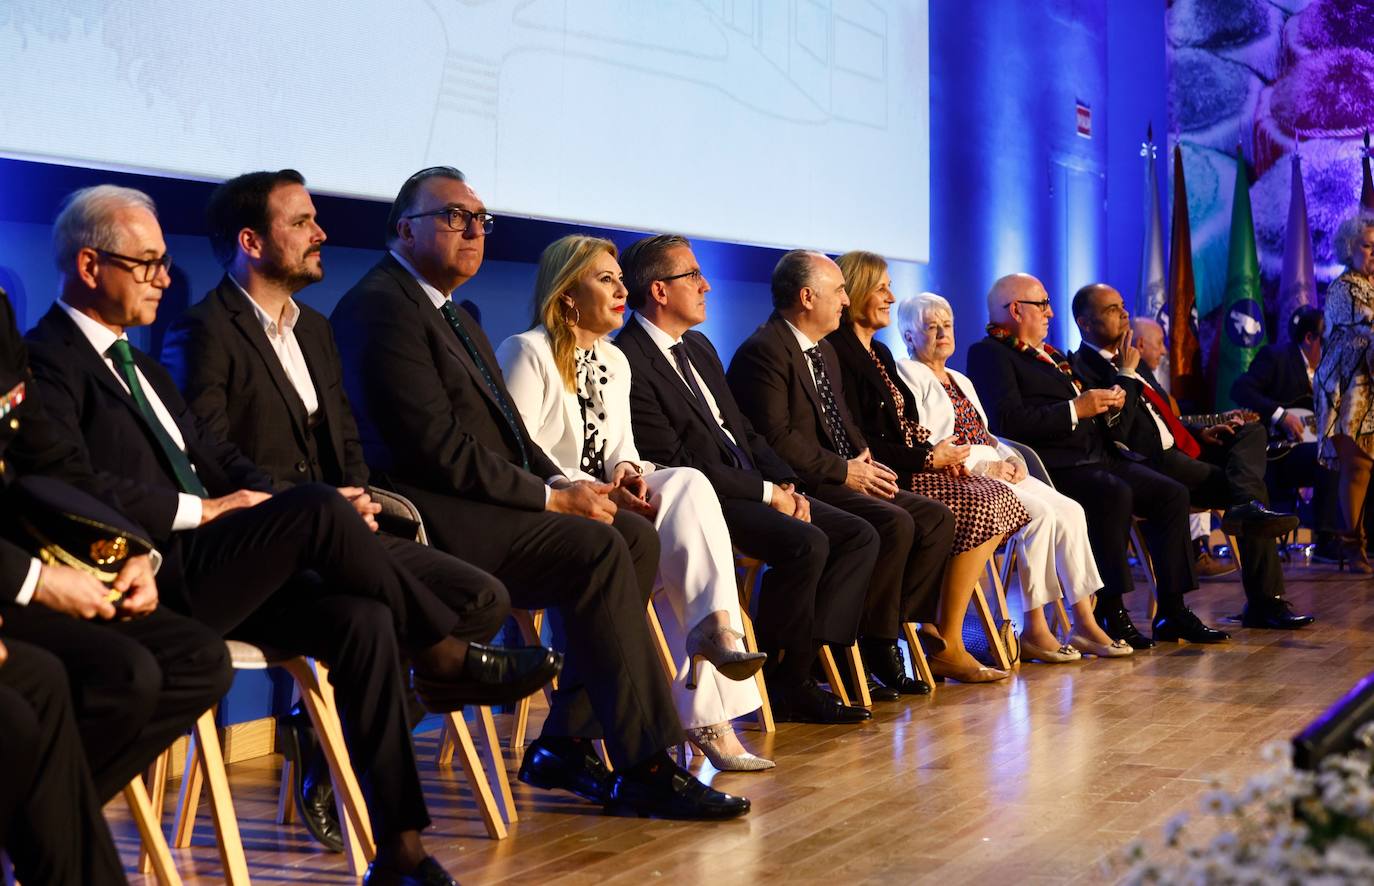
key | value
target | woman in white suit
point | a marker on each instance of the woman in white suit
(572, 388)
(1054, 543)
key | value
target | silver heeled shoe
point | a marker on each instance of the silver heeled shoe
(706, 739)
(705, 644)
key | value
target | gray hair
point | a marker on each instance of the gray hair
(1349, 233)
(911, 317)
(791, 275)
(86, 219)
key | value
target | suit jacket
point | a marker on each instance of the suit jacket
(672, 427)
(1028, 400)
(871, 402)
(425, 414)
(553, 413)
(772, 382)
(221, 359)
(89, 406)
(1135, 427)
(1277, 378)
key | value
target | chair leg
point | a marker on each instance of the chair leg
(477, 776)
(444, 756)
(496, 761)
(860, 672)
(603, 754)
(232, 860)
(318, 696)
(192, 778)
(918, 656)
(751, 644)
(150, 830)
(665, 652)
(832, 674)
(286, 795)
(980, 604)
(1061, 617)
(157, 794)
(1142, 553)
(530, 624)
(999, 590)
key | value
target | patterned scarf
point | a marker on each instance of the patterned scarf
(591, 376)
(1048, 355)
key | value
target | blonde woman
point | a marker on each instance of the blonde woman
(572, 388)
(1056, 558)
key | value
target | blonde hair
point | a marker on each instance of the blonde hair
(911, 317)
(862, 273)
(561, 264)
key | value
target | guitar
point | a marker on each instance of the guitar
(1280, 444)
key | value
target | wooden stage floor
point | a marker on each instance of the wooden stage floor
(1033, 780)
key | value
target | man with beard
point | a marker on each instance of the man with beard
(262, 371)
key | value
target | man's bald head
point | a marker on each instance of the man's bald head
(1149, 338)
(1019, 304)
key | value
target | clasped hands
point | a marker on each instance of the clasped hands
(600, 501)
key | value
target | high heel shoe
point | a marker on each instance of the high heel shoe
(704, 644)
(1353, 556)
(941, 667)
(707, 740)
(1117, 649)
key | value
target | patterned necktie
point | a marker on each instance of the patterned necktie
(451, 315)
(123, 357)
(684, 365)
(829, 408)
(591, 375)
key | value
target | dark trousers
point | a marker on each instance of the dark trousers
(50, 821)
(813, 590)
(1225, 476)
(135, 685)
(915, 534)
(1112, 492)
(595, 580)
(1288, 473)
(478, 598)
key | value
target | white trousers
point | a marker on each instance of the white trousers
(696, 576)
(1053, 546)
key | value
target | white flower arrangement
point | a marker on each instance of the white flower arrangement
(1282, 826)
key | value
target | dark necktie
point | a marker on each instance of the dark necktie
(451, 315)
(684, 365)
(123, 357)
(829, 408)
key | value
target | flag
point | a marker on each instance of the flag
(1180, 316)
(1150, 296)
(1242, 310)
(1298, 282)
(1367, 187)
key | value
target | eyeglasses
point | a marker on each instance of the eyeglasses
(145, 270)
(1043, 304)
(457, 218)
(694, 275)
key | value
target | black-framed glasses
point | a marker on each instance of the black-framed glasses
(694, 275)
(457, 218)
(144, 269)
(1043, 304)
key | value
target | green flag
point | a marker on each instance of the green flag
(1242, 331)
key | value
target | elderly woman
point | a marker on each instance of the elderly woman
(572, 388)
(1054, 543)
(984, 511)
(1342, 385)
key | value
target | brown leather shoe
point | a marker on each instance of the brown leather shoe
(1209, 566)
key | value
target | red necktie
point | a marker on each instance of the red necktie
(1184, 440)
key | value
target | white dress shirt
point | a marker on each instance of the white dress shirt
(188, 506)
(665, 342)
(282, 337)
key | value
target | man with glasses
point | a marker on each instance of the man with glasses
(299, 570)
(819, 558)
(438, 424)
(1033, 396)
(1222, 464)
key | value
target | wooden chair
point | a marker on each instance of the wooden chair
(1142, 555)
(747, 570)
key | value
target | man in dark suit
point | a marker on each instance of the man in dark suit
(1278, 381)
(437, 422)
(262, 371)
(819, 557)
(1221, 465)
(299, 570)
(1033, 396)
(787, 381)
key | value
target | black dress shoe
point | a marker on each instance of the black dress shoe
(1116, 621)
(1184, 625)
(809, 703)
(1274, 615)
(428, 873)
(666, 790)
(312, 789)
(884, 660)
(1254, 519)
(876, 691)
(566, 764)
(491, 675)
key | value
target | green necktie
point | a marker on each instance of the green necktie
(123, 357)
(451, 315)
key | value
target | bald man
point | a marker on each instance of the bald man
(1222, 465)
(1033, 396)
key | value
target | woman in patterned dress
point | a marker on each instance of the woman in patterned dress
(985, 511)
(1342, 385)
(571, 386)
(1055, 558)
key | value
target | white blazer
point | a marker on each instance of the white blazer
(937, 410)
(551, 412)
